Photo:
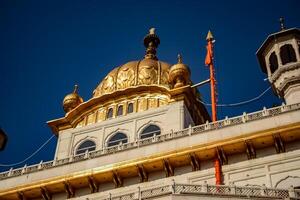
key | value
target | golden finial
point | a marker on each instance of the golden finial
(75, 89)
(151, 42)
(209, 36)
(179, 58)
(72, 100)
(152, 31)
(281, 20)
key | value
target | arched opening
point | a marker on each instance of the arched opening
(287, 54)
(120, 110)
(116, 139)
(109, 114)
(273, 62)
(130, 108)
(87, 145)
(150, 131)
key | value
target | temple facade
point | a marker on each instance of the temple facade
(145, 134)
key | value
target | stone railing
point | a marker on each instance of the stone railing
(155, 139)
(204, 189)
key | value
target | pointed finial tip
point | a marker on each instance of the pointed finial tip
(282, 26)
(152, 31)
(75, 88)
(209, 36)
(179, 58)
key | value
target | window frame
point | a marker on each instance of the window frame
(130, 104)
(120, 108)
(110, 115)
(287, 54)
(86, 149)
(109, 140)
(142, 134)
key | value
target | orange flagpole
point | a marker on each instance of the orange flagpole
(209, 61)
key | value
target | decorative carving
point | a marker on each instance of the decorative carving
(142, 104)
(69, 190)
(125, 78)
(101, 115)
(164, 79)
(117, 179)
(278, 143)
(108, 84)
(93, 184)
(147, 75)
(142, 173)
(21, 196)
(221, 156)
(250, 150)
(288, 181)
(91, 118)
(162, 102)
(169, 170)
(152, 103)
(45, 194)
(195, 162)
(80, 123)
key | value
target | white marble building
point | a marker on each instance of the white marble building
(144, 135)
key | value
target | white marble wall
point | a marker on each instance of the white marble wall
(169, 118)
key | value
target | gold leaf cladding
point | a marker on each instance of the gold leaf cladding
(101, 115)
(91, 118)
(164, 78)
(162, 102)
(97, 91)
(125, 78)
(152, 103)
(80, 124)
(108, 84)
(142, 104)
(147, 75)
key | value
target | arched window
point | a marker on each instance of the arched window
(273, 62)
(120, 110)
(287, 54)
(150, 131)
(109, 113)
(130, 108)
(118, 138)
(87, 145)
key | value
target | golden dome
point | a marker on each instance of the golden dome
(72, 100)
(149, 71)
(140, 85)
(135, 73)
(179, 74)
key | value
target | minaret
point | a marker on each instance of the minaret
(279, 58)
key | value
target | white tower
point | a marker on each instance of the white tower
(279, 58)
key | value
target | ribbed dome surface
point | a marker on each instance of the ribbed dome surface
(134, 74)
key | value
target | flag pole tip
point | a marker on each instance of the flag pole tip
(209, 36)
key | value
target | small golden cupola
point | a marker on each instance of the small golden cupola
(179, 74)
(72, 100)
(134, 87)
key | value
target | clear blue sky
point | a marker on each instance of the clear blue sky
(48, 46)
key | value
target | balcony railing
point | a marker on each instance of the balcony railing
(265, 113)
(205, 189)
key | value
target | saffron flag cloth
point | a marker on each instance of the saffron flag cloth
(209, 54)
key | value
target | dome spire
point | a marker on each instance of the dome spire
(151, 42)
(179, 58)
(75, 89)
(282, 26)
